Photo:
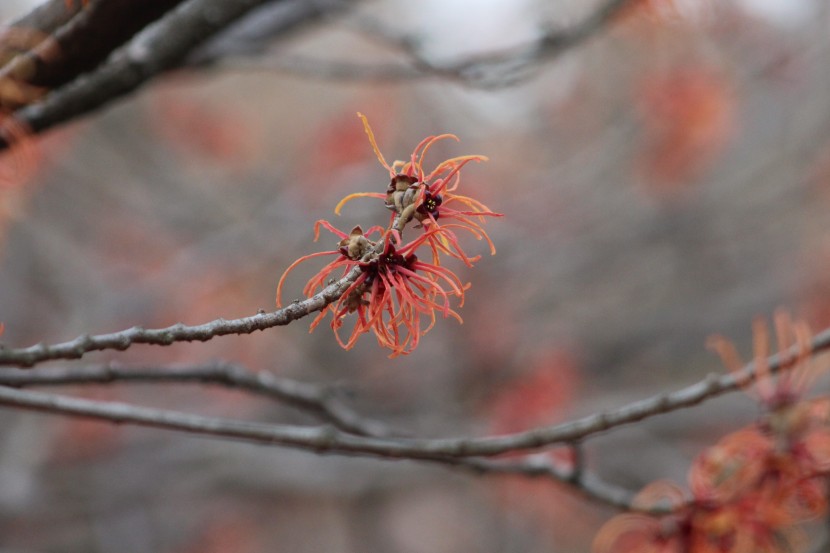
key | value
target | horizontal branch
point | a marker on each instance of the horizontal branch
(317, 400)
(317, 439)
(331, 440)
(77, 348)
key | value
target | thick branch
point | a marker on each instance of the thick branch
(48, 16)
(87, 39)
(161, 46)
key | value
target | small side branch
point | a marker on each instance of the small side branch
(585, 483)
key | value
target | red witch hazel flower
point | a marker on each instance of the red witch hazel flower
(392, 293)
(414, 194)
(752, 490)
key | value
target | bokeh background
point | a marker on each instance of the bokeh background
(667, 179)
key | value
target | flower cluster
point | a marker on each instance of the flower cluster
(750, 491)
(394, 294)
(413, 194)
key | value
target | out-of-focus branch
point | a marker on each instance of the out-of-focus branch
(334, 441)
(320, 401)
(48, 16)
(257, 31)
(88, 37)
(161, 46)
(488, 70)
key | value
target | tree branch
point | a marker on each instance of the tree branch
(585, 483)
(334, 441)
(319, 439)
(489, 70)
(48, 16)
(317, 400)
(254, 33)
(75, 349)
(89, 37)
(160, 47)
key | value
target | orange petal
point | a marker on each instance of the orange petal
(351, 197)
(373, 142)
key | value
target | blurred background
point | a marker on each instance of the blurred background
(666, 179)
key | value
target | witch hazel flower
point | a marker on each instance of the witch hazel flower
(752, 491)
(395, 295)
(414, 194)
(399, 296)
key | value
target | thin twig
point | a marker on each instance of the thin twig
(494, 69)
(317, 400)
(77, 348)
(585, 483)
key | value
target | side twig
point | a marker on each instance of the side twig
(584, 483)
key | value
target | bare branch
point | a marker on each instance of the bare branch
(257, 31)
(488, 70)
(319, 439)
(335, 441)
(160, 47)
(585, 483)
(83, 41)
(317, 400)
(75, 349)
(48, 16)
